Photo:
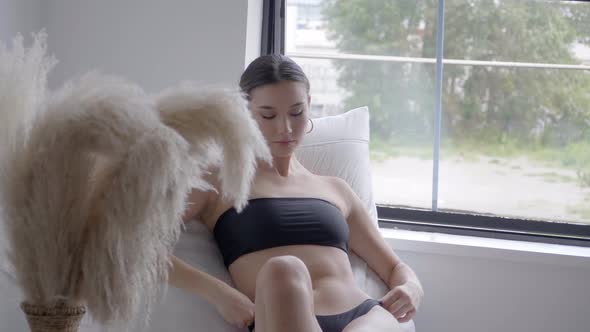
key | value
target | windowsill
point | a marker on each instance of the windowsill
(472, 246)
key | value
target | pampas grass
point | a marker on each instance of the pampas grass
(23, 90)
(94, 199)
(206, 116)
(94, 178)
(23, 86)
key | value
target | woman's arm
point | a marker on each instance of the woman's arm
(186, 277)
(235, 307)
(366, 241)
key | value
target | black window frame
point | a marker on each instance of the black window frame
(273, 27)
(445, 221)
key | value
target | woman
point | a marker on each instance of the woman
(287, 250)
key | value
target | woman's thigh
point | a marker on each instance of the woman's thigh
(284, 297)
(260, 319)
(377, 319)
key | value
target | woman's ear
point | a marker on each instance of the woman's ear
(308, 101)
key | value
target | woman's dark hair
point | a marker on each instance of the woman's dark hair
(271, 69)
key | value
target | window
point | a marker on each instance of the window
(495, 138)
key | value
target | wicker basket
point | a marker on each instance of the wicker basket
(61, 317)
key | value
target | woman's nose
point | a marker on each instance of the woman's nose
(285, 126)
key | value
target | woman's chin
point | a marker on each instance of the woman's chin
(282, 153)
(281, 150)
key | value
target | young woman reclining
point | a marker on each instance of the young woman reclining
(287, 250)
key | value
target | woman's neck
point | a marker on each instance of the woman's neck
(283, 166)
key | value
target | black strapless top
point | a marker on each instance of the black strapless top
(280, 221)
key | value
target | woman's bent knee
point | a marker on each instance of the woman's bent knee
(283, 271)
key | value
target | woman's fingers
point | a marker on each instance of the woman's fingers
(391, 297)
(397, 298)
(402, 311)
(396, 306)
(409, 315)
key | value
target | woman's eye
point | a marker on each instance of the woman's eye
(268, 117)
(298, 113)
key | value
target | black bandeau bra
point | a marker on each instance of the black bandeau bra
(280, 221)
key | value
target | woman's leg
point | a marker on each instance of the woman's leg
(377, 319)
(284, 297)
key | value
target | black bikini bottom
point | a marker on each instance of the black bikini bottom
(337, 323)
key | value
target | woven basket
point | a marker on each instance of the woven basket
(61, 317)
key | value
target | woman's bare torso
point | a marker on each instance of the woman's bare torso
(334, 287)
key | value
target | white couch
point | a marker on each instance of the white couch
(337, 146)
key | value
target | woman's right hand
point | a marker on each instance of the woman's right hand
(235, 307)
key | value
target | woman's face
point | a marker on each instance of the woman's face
(281, 110)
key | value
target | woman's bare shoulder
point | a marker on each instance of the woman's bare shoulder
(335, 183)
(338, 189)
(201, 202)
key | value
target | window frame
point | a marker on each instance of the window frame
(433, 220)
(273, 27)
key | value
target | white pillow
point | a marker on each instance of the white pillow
(338, 146)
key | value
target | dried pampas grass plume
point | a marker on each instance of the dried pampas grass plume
(23, 89)
(210, 118)
(23, 73)
(94, 200)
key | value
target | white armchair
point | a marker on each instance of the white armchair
(338, 146)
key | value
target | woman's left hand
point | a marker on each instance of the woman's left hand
(402, 301)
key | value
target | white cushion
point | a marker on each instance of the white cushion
(339, 146)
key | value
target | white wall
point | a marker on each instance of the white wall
(471, 287)
(18, 16)
(152, 42)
